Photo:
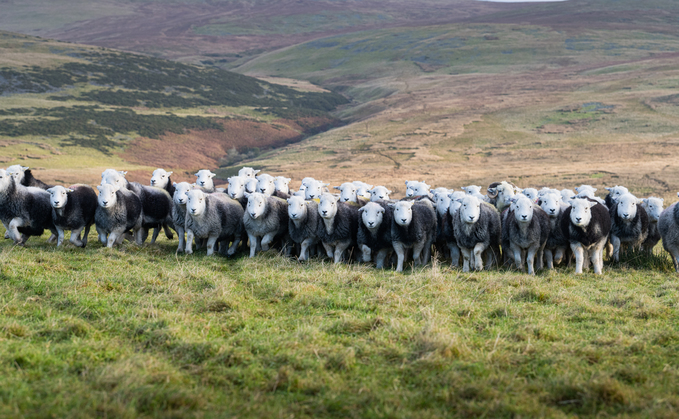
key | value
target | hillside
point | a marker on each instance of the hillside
(82, 108)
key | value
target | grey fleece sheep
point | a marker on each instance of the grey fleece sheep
(338, 226)
(25, 211)
(413, 226)
(214, 217)
(557, 244)
(265, 219)
(587, 224)
(179, 199)
(653, 207)
(118, 211)
(527, 230)
(477, 231)
(668, 225)
(73, 209)
(23, 175)
(629, 223)
(161, 179)
(303, 224)
(374, 232)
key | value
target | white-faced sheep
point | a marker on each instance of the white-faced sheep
(557, 244)
(502, 193)
(526, 231)
(236, 190)
(614, 193)
(531, 193)
(282, 184)
(23, 175)
(338, 226)
(247, 172)
(415, 188)
(179, 200)
(119, 210)
(348, 193)
(25, 211)
(379, 193)
(567, 194)
(161, 179)
(629, 223)
(204, 180)
(251, 185)
(413, 226)
(586, 191)
(362, 189)
(653, 207)
(265, 184)
(668, 225)
(73, 209)
(265, 219)
(303, 224)
(448, 228)
(586, 224)
(314, 189)
(442, 204)
(374, 232)
(214, 217)
(477, 231)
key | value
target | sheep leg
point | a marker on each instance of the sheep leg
(586, 258)
(304, 250)
(466, 258)
(267, 240)
(340, 248)
(115, 236)
(367, 253)
(541, 256)
(211, 240)
(418, 249)
(86, 233)
(4, 224)
(234, 245)
(558, 255)
(599, 253)
(615, 241)
(253, 244)
(14, 229)
(674, 251)
(329, 250)
(478, 255)
(380, 258)
(549, 257)
(518, 256)
(530, 258)
(75, 237)
(189, 242)
(168, 232)
(102, 235)
(578, 251)
(400, 253)
(61, 234)
(156, 231)
(454, 254)
(182, 239)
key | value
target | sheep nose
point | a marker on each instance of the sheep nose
(625, 215)
(261, 189)
(578, 219)
(252, 213)
(371, 223)
(471, 218)
(552, 211)
(105, 202)
(403, 219)
(325, 212)
(56, 202)
(202, 182)
(153, 182)
(524, 217)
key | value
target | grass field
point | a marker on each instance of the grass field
(141, 331)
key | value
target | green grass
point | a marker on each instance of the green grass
(140, 331)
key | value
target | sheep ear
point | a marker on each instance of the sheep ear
(69, 190)
(122, 172)
(24, 168)
(591, 204)
(256, 171)
(640, 201)
(169, 174)
(336, 187)
(287, 200)
(361, 209)
(195, 174)
(99, 188)
(662, 199)
(174, 184)
(388, 191)
(608, 189)
(392, 204)
(381, 210)
(212, 175)
(325, 184)
(50, 190)
(247, 194)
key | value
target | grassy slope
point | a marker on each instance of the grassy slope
(132, 331)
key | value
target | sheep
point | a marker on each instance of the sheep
(247, 172)
(118, 211)
(236, 190)
(557, 244)
(440, 191)
(314, 189)
(531, 193)
(544, 191)
(653, 207)
(25, 211)
(502, 193)
(251, 185)
(413, 226)
(161, 179)
(362, 189)
(265, 219)
(338, 227)
(477, 231)
(374, 232)
(73, 209)
(443, 223)
(448, 229)
(614, 193)
(156, 203)
(586, 224)
(303, 224)
(526, 230)
(567, 194)
(668, 225)
(179, 212)
(265, 184)
(415, 188)
(204, 180)
(472, 189)
(629, 223)
(281, 183)
(379, 193)
(23, 175)
(214, 217)
(348, 193)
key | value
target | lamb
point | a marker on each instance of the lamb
(247, 172)
(23, 175)
(236, 190)
(161, 179)
(614, 193)
(73, 209)
(477, 231)
(413, 226)
(348, 193)
(586, 224)
(303, 224)
(374, 232)
(526, 230)
(338, 227)
(25, 211)
(629, 223)
(119, 210)
(179, 212)
(265, 219)
(557, 243)
(281, 184)
(214, 217)
(379, 193)
(653, 207)
(204, 180)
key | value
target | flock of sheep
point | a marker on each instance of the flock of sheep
(505, 226)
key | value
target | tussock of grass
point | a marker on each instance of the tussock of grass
(141, 331)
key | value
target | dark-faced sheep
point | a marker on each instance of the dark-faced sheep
(73, 209)
(586, 224)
